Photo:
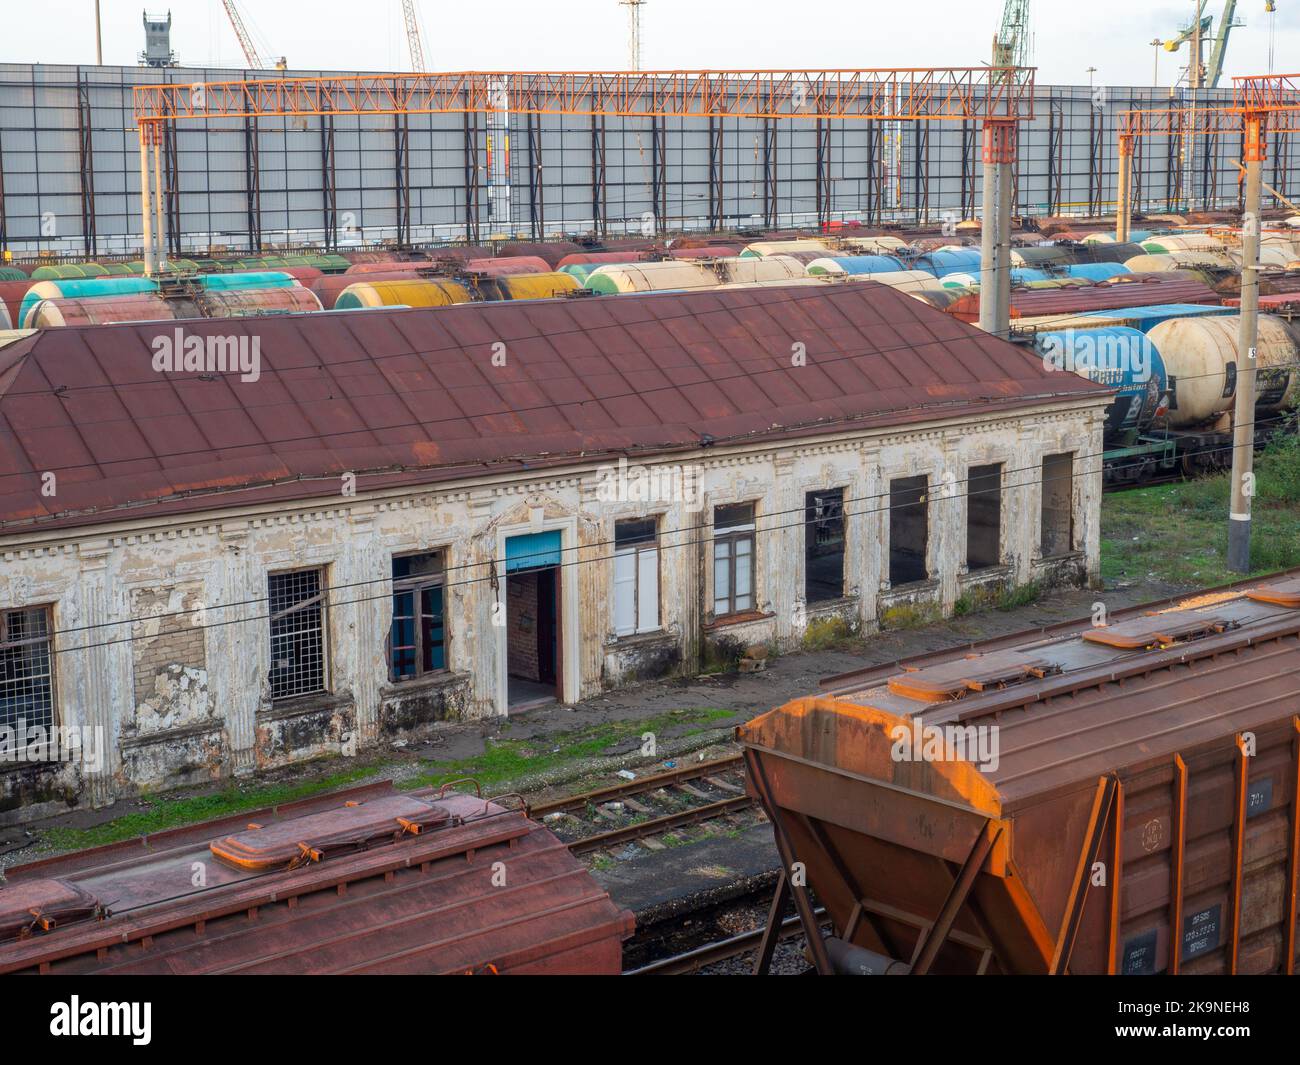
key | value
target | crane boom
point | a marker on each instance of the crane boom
(254, 59)
(1201, 29)
(1012, 45)
(1215, 70)
(414, 42)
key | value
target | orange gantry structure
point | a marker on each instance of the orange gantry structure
(903, 94)
(998, 97)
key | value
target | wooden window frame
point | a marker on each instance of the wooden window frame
(415, 587)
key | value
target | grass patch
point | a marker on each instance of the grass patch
(911, 615)
(1179, 533)
(830, 633)
(172, 813)
(1021, 595)
(506, 761)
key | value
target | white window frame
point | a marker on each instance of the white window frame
(724, 551)
(636, 572)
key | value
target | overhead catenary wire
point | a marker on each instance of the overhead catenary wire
(159, 377)
(423, 423)
(548, 460)
(493, 576)
(1123, 656)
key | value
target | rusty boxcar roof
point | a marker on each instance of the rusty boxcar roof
(1068, 706)
(379, 882)
(1161, 747)
(406, 397)
(1031, 303)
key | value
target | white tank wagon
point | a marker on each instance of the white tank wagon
(1201, 357)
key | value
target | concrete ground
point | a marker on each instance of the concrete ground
(547, 728)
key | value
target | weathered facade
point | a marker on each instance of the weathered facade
(227, 621)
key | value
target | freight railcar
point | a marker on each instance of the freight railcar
(366, 881)
(1097, 798)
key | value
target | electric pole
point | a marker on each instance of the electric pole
(1243, 411)
(634, 31)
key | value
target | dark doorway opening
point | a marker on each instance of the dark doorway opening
(533, 637)
(984, 517)
(823, 545)
(909, 530)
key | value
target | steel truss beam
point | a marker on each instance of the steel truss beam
(402, 176)
(86, 156)
(953, 93)
(599, 178)
(329, 182)
(536, 188)
(472, 184)
(171, 190)
(253, 182)
(771, 192)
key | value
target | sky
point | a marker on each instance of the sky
(1114, 36)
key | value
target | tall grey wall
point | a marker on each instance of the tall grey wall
(69, 169)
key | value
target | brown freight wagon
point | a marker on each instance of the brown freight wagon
(364, 881)
(1115, 798)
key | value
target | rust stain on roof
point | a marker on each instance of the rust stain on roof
(406, 397)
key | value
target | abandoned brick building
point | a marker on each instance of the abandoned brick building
(414, 516)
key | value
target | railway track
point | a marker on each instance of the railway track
(638, 811)
(736, 946)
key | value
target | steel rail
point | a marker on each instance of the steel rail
(723, 949)
(656, 825)
(635, 787)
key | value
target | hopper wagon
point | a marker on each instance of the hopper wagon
(1090, 799)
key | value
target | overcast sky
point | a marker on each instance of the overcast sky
(1070, 35)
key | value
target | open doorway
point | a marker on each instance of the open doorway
(534, 673)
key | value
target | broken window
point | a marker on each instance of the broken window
(418, 641)
(1058, 505)
(984, 516)
(297, 609)
(823, 545)
(909, 528)
(733, 559)
(26, 673)
(636, 576)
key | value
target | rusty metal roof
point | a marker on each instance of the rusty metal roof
(1035, 302)
(1152, 682)
(408, 397)
(411, 901)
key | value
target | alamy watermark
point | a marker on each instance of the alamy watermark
(916, 741)
(650, 484)
(179, 352)
(1102, 357)
(21, 743)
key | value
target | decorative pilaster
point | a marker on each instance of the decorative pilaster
(236, 646)
(101, 668)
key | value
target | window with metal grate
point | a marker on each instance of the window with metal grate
(26, 668)
(297, 609)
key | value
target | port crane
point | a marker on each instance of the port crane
(251, 54)
(1201, 29)
(1012, 47)
(414, 39)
